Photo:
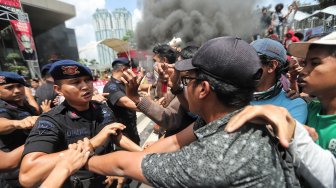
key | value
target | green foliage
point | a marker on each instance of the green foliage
(129, 36)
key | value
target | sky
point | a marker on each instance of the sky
(83, 22)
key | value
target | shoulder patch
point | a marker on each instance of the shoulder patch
(44, 124)
(112, 87)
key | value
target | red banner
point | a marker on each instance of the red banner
(25, 39)
(11, 3)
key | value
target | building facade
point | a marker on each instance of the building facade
(107, 24)
(103, 27)
(122, 22)
(52, 38)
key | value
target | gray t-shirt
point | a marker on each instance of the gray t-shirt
(218, 159)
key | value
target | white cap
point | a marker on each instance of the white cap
(300, 49)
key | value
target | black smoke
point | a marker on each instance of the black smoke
(195, 21)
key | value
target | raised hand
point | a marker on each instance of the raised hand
(103, 135)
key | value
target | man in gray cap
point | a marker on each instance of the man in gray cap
(271, 90)
(219, 81)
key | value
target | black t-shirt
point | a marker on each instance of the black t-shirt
(124, 115)
(45, 92)
(64, 125)
(9, 142)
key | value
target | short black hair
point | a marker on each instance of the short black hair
(118, 66)
(228, 94)
(188, 52)
(165, 51)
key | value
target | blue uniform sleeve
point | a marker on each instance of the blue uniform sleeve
(44, 137)
(114, 93)
(4, 113)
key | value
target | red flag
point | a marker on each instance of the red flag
(11, 3)
(24, 38)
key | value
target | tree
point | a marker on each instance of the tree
(93, 62)
(129, 36)
(12, 57)
(84, 61)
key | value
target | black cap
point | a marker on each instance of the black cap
(122, 61)
(228, 59)
(11, 77)
(66, 69)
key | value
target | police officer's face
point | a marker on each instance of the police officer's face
(76, 90)
(12, 93)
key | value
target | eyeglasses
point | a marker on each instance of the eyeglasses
(186, 80)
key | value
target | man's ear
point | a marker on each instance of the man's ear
(272, 66)
(165, 60)
(204, 89)
(57, 89)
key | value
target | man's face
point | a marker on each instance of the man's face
(77, 91)
(34, 84)
(318, 76)
(156, 58)
(12, 93)
(188, 78)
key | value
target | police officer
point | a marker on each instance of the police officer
(123, 107)
(17, 117)
(74, 119)
(46, 90)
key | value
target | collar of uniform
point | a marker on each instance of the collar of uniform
(5, 104)
(201, 129)
(115, 80)
(73, 113)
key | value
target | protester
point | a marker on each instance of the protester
(17, 117)
(35, 83)
(316, 166)
(77, 117)
(270, 89)
(265, 22)
(174, 117)
(277, 20)
(216, 88)
(317, 79)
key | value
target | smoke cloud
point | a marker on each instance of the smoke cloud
(195, 21)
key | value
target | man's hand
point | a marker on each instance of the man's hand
(100, 97)
(75, 157)
(312, 132)
(45, 106)
(166, 73)
(279, 118)
(132, 83)
(103, 135)
(26, 123)
(110, 179)
(294, 68)
(292, 94)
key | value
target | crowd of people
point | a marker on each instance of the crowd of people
(231, 114)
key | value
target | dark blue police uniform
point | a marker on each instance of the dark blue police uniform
(63, 125)
(16, 138)
(125, 116)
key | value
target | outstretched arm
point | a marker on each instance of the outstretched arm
(10, 160)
